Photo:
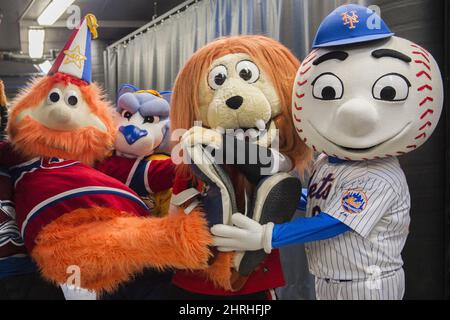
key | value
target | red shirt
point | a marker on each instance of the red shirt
(269, 274)
(144, 176)
(45, 189)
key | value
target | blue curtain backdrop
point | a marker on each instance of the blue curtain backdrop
(152, 59)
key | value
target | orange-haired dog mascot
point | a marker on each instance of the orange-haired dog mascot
(72, 217)
(237, 83)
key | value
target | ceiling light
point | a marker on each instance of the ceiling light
(53, 12)
(36, 42)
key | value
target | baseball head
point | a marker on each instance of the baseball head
(366, 101)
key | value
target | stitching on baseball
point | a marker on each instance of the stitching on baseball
(424, 63)
(420, 48)
(423, 72)
(420, 136)
(425, 86)
(297, 119)
(302, 73)
(309, 60)
(427, 99)
(429, 111)
(427, 124)
(421, 54)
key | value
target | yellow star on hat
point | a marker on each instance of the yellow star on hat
(74, 56)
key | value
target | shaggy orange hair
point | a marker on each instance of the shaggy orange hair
(3, 100)
(33, 139)
(276, 60)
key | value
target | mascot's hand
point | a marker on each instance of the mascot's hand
(246, 235)
(199, 135)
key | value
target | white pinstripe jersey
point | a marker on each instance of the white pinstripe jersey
(372, 198)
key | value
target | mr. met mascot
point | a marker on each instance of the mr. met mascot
(362, 98)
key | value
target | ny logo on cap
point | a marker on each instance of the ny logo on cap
(350, 20)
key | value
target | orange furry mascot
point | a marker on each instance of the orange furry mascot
(237, 83)
(71, 216)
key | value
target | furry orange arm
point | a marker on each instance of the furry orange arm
(109, 248)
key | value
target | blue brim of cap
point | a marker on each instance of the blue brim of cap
(354, 40)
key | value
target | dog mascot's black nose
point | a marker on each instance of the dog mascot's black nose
(235, 102)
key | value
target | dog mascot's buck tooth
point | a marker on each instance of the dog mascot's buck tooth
(236, 83)
(361, 98)
(71, 215)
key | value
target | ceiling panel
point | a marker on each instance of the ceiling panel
(10, 11)
(113, 9)
(14, 36)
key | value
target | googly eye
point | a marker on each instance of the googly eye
(54, 96)
(248, 71)
(71, 98)
(126, 114)
(217, 77)
(392, 87)
(151, 119)
(328, 87)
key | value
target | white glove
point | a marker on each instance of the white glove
(199, 135)
(246, 235)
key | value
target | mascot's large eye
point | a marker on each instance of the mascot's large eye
(151, 119)
(217, 77)
(328, 86)
(127, 114)
(248, 71)
(392, 87)
(71, 98)
(54, 95)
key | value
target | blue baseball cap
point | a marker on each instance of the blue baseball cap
(348, 24)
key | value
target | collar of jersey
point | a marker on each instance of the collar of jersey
(334, 160)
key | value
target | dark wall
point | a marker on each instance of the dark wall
(447, 143)
(422, 21)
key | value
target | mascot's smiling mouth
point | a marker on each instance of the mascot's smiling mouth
(362, 150)
(261, 127)
(259, 131)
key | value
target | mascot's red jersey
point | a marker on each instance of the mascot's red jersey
(46, 188)
(142, 175)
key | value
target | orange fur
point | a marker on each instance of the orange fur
(3, 100)
(275, 59)
(35, 140)
(32, 139)
(219, 272)
(94, 239)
